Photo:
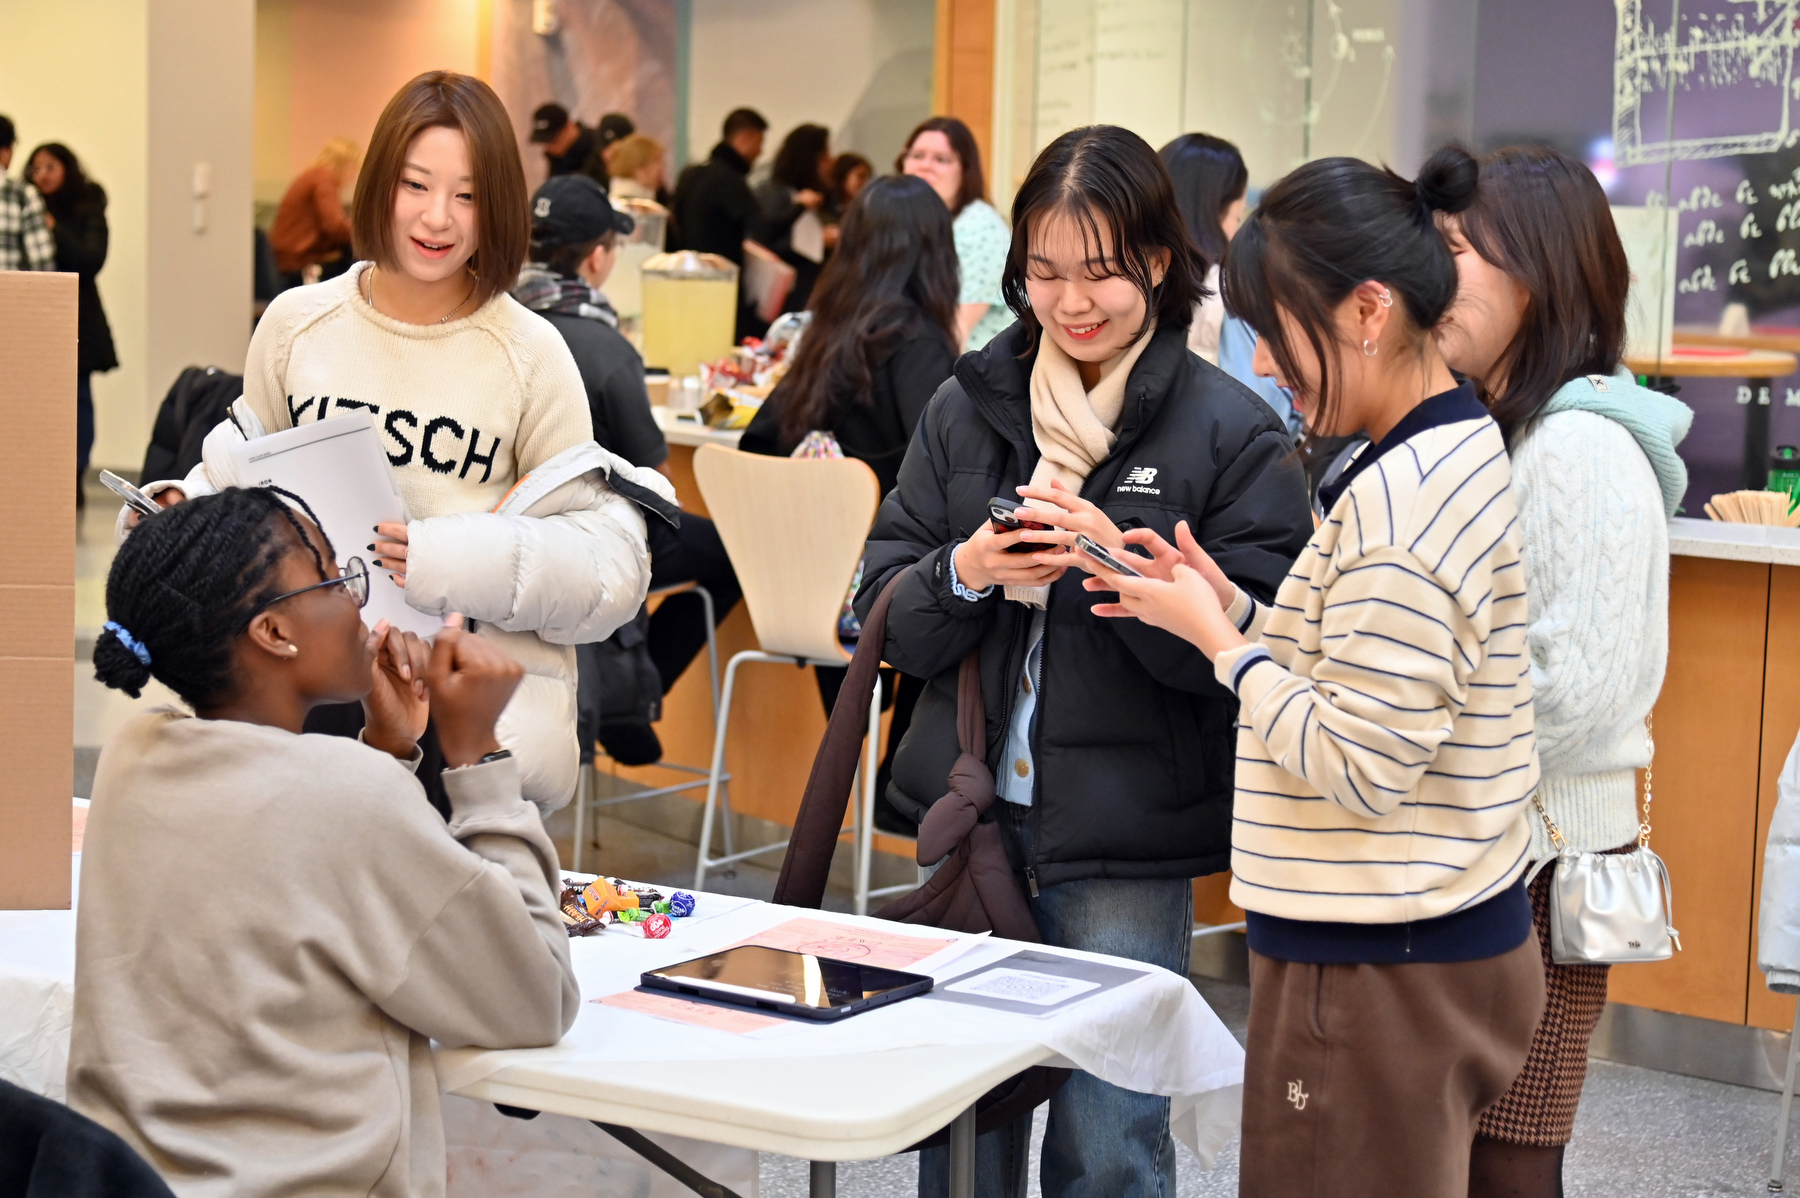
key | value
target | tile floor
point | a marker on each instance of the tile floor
(1640, 1133)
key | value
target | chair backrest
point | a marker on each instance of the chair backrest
(794, 529)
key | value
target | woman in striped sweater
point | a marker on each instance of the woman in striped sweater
(1386, 758)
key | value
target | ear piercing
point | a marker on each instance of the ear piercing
(1386, 298)
(1370, 348)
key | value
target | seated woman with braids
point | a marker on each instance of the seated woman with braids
(273, 925)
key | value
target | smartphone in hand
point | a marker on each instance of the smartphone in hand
(1006, 517)
(1112, 561)
(133, 497)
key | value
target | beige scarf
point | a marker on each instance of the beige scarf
(1074, 428)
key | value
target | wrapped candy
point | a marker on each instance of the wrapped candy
(681, 904)
(656, 927)
(576, 917)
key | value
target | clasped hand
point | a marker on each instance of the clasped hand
(460, 679)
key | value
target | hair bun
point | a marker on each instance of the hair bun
(117, 666)
(1447, 181)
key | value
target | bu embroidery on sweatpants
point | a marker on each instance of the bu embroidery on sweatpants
(402, 428)
(1297, 1095)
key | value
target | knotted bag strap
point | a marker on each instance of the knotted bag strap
(807, 865)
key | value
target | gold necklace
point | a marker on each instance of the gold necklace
(369, 281)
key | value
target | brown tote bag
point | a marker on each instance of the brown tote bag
(973, 890)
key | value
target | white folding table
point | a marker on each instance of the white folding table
(865, 1087)
(821, 1109)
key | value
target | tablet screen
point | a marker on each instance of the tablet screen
(751, 974)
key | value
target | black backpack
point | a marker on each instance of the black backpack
(617, 682)
(194, 406)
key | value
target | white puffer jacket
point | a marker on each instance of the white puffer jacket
(560, 562)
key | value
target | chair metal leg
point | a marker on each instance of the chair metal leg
(721, 724)
(712, 673)
(1778, 1165)
(822, 1180)
(865, 802)
(584, 774)
(703, 862)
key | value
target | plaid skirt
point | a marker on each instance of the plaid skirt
(1538, 1111)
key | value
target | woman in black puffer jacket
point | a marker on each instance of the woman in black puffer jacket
(1111, 743)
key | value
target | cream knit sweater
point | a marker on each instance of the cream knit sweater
(1597, 570)
(1384, 756)
(466, 408)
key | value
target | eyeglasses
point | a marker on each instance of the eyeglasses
(354, 580)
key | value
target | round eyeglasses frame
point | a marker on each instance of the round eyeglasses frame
(354, 580)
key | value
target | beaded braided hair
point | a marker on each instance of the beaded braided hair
(185, 585)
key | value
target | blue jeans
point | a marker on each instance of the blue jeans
(1101, 1141)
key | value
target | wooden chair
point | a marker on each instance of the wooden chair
(794, 529)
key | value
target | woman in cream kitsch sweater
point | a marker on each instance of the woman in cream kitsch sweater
(1539, 324)
(472, 394)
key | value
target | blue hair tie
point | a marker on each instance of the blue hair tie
(136, 646)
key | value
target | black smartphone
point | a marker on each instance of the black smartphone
(1006, 518)
(1112, 561)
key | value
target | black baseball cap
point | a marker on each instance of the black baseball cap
(571, 209)
(548, 121)
(612, 127)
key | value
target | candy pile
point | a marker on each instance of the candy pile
(589, 907)
(737, 384)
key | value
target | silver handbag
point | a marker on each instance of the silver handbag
(1609, 908)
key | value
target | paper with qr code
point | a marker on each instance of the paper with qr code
(1034, 983)
(1019, 985)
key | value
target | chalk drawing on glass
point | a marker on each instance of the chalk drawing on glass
(1744, 46)
(1329, 57)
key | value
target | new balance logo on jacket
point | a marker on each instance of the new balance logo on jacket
(1138, 480)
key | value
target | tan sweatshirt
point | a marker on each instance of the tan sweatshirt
(273, 927)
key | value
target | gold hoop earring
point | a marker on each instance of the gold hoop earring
(1370, 348)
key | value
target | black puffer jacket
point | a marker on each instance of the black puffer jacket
(1133, 744)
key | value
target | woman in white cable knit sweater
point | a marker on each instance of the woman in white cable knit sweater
(1539, 325)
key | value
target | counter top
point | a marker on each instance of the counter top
(1736, 542)
(678, 430)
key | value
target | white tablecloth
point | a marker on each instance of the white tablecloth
(1155, 1035)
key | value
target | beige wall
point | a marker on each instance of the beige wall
(326, 68)
(74, 71)
(200, 98)
(863, 62)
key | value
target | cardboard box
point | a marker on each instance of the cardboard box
(37, 586)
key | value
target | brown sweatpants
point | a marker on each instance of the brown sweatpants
(1369, 1079)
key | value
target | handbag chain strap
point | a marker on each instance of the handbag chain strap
(1556, 836)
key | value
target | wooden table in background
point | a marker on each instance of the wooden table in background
(1759, 359)
(1727, 716)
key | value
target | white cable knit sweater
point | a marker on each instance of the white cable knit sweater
(1597, 570)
